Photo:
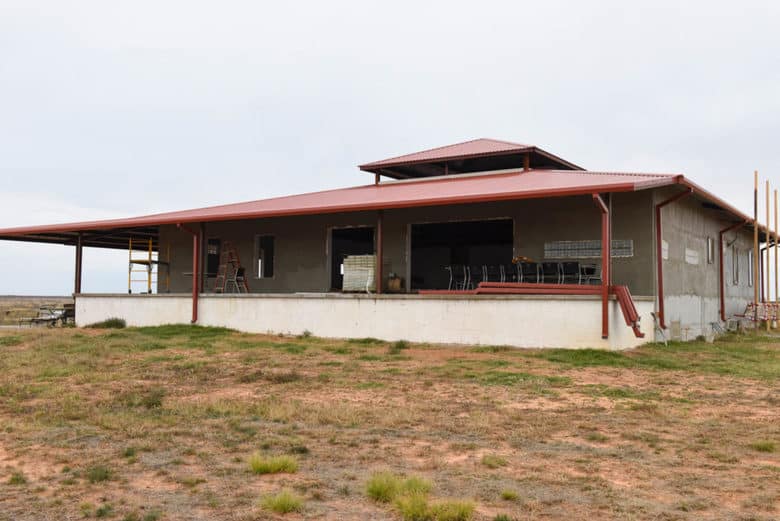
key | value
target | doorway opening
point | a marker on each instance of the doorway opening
(435, 246)
(345, 242)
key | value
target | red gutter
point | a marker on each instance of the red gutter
(606, 244)
(659, 252)
(195, 268)
(722, 268)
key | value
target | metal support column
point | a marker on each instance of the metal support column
(79, 257)
(606, 255)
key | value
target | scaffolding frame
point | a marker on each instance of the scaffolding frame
(149, 266)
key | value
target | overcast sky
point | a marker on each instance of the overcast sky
(124, 108)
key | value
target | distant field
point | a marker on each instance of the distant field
(13, 308)
(188, 423)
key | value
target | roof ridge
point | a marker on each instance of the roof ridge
(507, 142)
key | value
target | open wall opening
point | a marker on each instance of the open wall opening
(345, 242)
(470, 243)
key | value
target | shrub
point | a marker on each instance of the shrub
(492, 461)
(396, 347)
(452, 511)
(129, 452)
(98, 473)
(509, 495)
(384, 487)
(154, 515)
(763, 446)
(503, 517)
(283, 377)
(414, 507)
(416, 485)
(596, 436)
(260, 464)
(17, 478)
(282, 503)
(104, 510)
(109, 323)
(153, 398)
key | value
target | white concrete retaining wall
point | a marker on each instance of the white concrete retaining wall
(515, 320)
(689, 316)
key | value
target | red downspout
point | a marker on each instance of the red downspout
(606, 243)
(722, 267)
(195, 269)
(659, 252)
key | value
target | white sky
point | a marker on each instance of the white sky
(113, 109)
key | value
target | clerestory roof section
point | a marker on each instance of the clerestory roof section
(477, 155)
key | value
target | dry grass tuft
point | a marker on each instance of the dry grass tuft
(283, 502)
(260, 464)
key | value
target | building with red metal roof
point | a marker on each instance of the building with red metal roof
(446, 225)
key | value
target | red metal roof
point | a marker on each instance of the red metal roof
(475, 147)
(462, 189)
(468, 149)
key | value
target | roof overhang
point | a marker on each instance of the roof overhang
(95, 237)
(452, 190)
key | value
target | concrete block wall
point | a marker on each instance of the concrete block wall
(301, 243)
(692, 300)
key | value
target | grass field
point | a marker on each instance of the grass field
(184, 423)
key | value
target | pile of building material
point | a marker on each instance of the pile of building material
(359, 273)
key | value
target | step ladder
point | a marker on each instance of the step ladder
(230, 274)
(151, 269)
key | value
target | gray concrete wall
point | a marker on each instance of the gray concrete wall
(692, 290)
(301, 243)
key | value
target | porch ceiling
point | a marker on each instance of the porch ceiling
(117, 238)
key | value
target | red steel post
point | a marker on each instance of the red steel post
(195, 269)
(606, 242)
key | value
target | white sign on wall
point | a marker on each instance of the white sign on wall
(664, 250)
(691, 256)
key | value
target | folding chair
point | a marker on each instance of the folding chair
(570, 273)
(529, 272)
(551, 272)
